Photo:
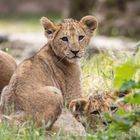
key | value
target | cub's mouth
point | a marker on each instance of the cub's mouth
(74, 57)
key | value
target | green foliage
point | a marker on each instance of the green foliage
(130, 85)
(123, 73)
(126, 122)
(134, 98)
(124, 125)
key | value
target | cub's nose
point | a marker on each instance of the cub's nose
(74, 51)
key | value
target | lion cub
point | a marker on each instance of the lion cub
(40, 83)
(89, 111)
(7, 68)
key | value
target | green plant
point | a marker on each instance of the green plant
(126, 125)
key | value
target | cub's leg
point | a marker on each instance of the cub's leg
(43, 106)
(46, 106)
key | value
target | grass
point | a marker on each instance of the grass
(97, 75)
(25, 132)
(98, 71)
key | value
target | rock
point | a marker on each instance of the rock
(111, 43)
(104, 44)
(68, 125)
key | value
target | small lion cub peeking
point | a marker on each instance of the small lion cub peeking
(89, 111)
(40, 83)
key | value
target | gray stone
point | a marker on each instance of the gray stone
(68, 125)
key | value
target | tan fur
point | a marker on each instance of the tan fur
(36, 86)
(7, 67)
(88, 111)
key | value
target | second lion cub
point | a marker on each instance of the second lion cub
(40, 83)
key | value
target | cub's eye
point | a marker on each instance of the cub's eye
(96, 112)
(113, 108)
(65, 38)
(49, 31)
(81, 37)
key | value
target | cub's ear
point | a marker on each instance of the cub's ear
(78, 105)
(89, 23)
(48, 26)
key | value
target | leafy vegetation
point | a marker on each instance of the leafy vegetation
(125, 125)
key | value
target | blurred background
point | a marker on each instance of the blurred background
(22, 34)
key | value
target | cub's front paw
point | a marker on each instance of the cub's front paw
(78, 107)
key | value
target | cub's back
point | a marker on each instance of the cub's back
(7, 67)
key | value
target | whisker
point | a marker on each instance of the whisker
(60, 60)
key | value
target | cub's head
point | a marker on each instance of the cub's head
(70, 38)
(89, 111)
